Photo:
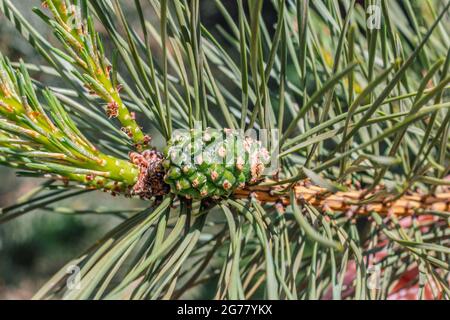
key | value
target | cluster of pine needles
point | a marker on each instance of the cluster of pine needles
(354, 94)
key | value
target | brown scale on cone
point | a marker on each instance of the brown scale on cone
(195, 183)
(150, 181)
(226, 185)
(214, 176)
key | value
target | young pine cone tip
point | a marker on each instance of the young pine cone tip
(213, 163)
(201, 166)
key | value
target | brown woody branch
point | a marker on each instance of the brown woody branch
(354, 201)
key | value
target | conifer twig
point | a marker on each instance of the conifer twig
(50, 142)
(352, 201)
(84, 49)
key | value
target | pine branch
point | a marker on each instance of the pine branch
(83, 48)
(353, 202)
(33, 141)
(50, 142)
(347, 105)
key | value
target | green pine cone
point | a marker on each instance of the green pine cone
(213, 163)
